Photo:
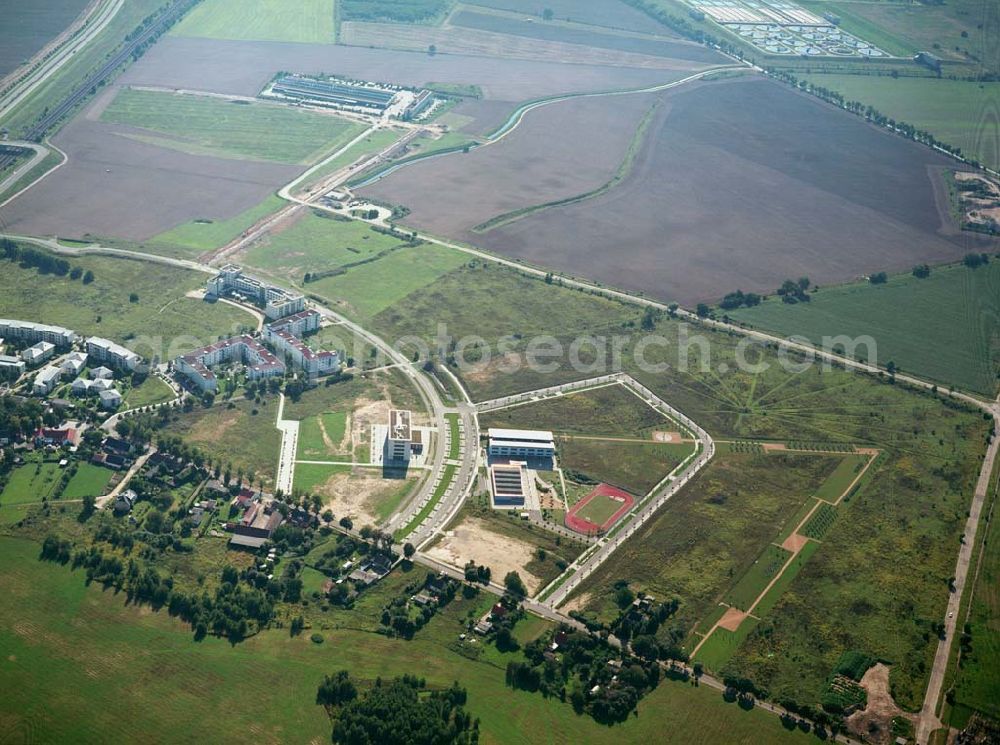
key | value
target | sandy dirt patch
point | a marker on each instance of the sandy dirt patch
(794, 543)
(732, 619)
(580, 602)
(667, 437)
(472, 539)
(356, 495)
(875, 720)
(775, 446)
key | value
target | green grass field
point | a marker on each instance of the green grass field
(163, 322)
(152, 391)
(312, 445)
(955, 111)
(88, 481)
(306, 21)
(944, 327)
(753, 582)
(610, 411)
(373, 143)
(31, 482)
(454, 447)
(81, 665)
(599, 509)
(709, 535)
(243, 436)
(635, 467)
(309, 476)
(842, 477)
(203, 125)
(365, 291)
(205, 235)
(722, 644)
(319, 242)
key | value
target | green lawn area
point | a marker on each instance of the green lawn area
(599, 509)
(306, 21)
(634, 466)
(105, 670)
(722, 644)
(611, 411)
(366, 290)
(944, 327)
(152, 391)
(373, 143)
(205, 235)
(313, 446)
(319, 242)
(761, 572)
(89, 481)
(954, 111)
(205, 125)
(31, 482)
(308, 476)
(162, 322)
(842, 477)
(455, 445)
(240, 433)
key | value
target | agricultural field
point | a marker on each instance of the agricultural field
(317, 242)
(203, 125)
(822, 220)
(958, 112)
(161, 322)
(199, 236)
(539, 162)
(953, 31)
(635, 467)
(953, 342)
(612, 14)
(87, 625)
(104, 189)
(407, 11)
(307, 22)
(518, 26)
(82, 63)
(28, 29)
(609, 411)
(239, 434)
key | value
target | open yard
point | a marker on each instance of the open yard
(203, 125)
(307, 21)
(150, 392)
(324, 437)
(954, 341)
(239, 434)
(161, 322)
(34, 481)
(88, 481)
(362, 494)
(107, 669)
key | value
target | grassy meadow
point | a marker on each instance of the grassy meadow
(161, 321)
(945, 327)
(306, 21)
(206, 235)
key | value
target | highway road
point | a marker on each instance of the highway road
(40, 152)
